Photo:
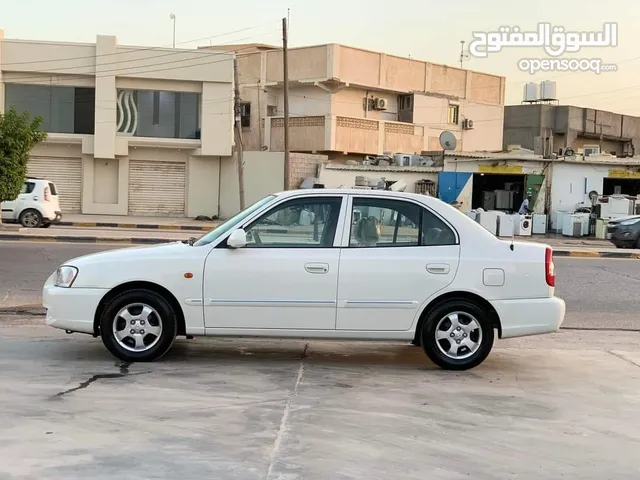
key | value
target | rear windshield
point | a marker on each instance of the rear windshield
(52, 187)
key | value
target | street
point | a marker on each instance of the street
(600, 293)
(554, 406)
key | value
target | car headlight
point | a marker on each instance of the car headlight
(65, 276)
(633, 221)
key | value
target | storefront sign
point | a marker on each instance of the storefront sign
(504, 169)
(623, 174)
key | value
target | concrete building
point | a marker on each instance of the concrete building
(347, 102)
(585, 130)
(140, 131)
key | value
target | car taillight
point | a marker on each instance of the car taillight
(549, 268)
(47, 194)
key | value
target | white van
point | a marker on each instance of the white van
(37, 205)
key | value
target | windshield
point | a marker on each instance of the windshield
(220, 230)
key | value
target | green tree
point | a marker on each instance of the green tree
(19, 133)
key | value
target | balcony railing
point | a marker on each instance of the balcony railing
(331, 133)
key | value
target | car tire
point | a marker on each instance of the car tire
(463, 322)
(138, 326)
(30, 218)
(46, 225)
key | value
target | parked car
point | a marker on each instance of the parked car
(37, 205)
(300, 264)
(624, 232)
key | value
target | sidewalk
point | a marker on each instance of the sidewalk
(149, 223)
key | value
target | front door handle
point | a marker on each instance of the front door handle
(317, 268)
(438, 268)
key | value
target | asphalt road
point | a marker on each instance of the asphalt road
(557, 406)
(599, 293)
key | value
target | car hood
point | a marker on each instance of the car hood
(623, 219)
(125, 254)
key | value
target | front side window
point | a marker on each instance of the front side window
(298, 223)
(380, 222)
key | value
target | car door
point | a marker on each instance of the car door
(287, 275)
(396, 253)
(11, 209)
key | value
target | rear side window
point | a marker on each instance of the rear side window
(52, 187)
(27, 187)
(435, 231)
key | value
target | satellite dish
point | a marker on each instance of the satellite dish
(568, 152)
(593, 196)
(447, 140)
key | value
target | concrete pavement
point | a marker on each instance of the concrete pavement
(559, 406)
(600, 293)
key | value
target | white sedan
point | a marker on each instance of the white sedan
(330, 264)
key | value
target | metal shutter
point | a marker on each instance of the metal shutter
(157, 188)
(66, 173)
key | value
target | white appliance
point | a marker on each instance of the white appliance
(584, 223)
(617, 206)
(523, 225)
(473, 215)
(572, 226)
(558, 225)
(504, 199)
(539, 224)
(489, 220)
(506, 225)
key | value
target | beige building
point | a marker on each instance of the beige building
(139, 131)
(347, 102)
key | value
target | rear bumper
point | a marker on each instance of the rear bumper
(71, 308)
(52, 216)
(520, 318)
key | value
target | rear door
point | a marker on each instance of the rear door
(11, 209)
(396, 253)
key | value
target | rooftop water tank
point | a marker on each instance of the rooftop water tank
(530, 93)
(548, 90)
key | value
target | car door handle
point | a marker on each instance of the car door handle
(35, 199)
(318, 268)
(438, 268)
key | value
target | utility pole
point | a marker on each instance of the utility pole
(173, 17)
(238, 128)
(285, 68)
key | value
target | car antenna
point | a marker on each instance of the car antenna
(513, 233)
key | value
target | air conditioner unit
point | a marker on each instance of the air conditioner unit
(380, 104)
(467, 124)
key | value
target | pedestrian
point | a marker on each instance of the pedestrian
(524, 208)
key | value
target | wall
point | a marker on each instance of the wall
(349, 103)
(263, 175)
(301, 166)
(488, 126)
(568, 184)
(336, 175)
(203, 183)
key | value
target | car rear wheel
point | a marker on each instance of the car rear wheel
(457, 335)
(30, 218)
(138, 326)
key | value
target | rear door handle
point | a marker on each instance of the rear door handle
(438, 268)
(317, 268)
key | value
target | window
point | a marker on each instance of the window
(52, 188)
(453, 114)
(63, 109)
(27, 187)
(405, 102)
(591, 150)
(148, 113)
(396, 223)
(272, 110)
(245, 114)
(298, 223)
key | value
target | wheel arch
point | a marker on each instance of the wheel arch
(460, 295)
(153, 287)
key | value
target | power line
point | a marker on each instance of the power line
(144, 49)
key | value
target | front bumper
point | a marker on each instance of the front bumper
(72, 308)
(623, 237)
(536, 316)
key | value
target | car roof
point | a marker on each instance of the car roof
(355, 191)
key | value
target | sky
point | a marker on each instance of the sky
(422, 29)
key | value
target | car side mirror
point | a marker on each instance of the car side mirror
(238, 239)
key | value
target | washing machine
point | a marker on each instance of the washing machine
(539, 224)
(489, 220)
(506, 225)
(524, 225)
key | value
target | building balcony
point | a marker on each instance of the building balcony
(349, 135)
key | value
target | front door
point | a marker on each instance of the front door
(399, 254)
(287, 275)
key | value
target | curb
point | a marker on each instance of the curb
(154, 241)
(142, 226)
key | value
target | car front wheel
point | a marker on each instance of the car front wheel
(138, 326)
(457, 335)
